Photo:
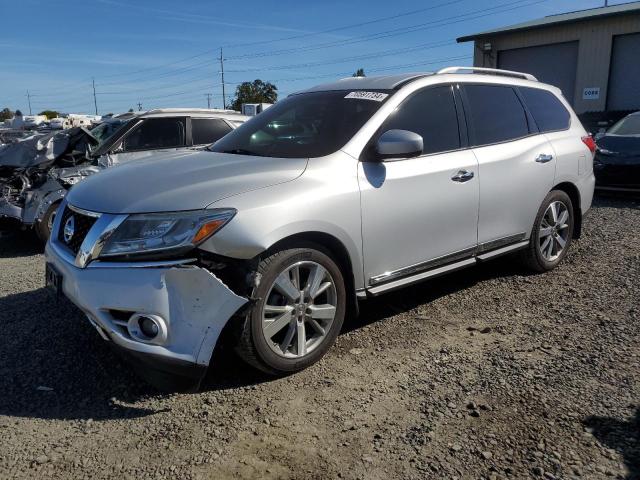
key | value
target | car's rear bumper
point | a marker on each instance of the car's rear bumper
(193, 304)
(586, 187)
(621, 175)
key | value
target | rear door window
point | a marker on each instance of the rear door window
(430, 113)
(206, 131)
(157, 133)
(548, 111)
(495, 113)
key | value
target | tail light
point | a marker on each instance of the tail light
(590, 143)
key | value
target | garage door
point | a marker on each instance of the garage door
(554, 64)
(624, 76)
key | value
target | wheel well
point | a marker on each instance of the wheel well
(571, 190)
(335, 249)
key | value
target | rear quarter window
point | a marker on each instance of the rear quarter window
(548, 111)
(206, 131)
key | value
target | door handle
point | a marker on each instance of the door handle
(462, 176)
(544, 158)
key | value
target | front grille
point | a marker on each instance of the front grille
(82, 225)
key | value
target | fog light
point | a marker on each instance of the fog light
(147, 328)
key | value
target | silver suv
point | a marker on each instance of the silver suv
(333, 195)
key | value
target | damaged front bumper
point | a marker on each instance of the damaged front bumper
(9, 210)
(190, 304)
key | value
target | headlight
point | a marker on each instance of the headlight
(172, 232)
(71, 180)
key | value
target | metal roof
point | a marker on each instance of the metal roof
(561, 18)
(384, 82)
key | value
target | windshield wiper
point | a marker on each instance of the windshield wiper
(241, 151)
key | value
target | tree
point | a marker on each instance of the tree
(5, 114)
(49, 114)
(359, 73)
(254, 92)
(131, 110)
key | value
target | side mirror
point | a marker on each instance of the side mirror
(399, 144)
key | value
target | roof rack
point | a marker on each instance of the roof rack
(187, 110)
(489, 71)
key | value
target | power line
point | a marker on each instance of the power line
(345, 27)
(512, 5)
(198, 91)
(187, 69)
(305, 35)
(384, 53)
(395, 31)
(385, 34)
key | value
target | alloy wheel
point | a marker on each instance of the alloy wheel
(299, 309)
(554, 231)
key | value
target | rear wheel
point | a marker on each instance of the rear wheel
(299, 313)
(45, 225)
(552, 232)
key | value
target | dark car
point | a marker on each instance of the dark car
(617, 161)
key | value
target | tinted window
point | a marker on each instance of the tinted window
(208, 130)
(548, 112)
(311, 124)
(432, 114)
(629, 125)
(496, 114)
(155, 133)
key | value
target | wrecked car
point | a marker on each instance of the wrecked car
(36, 173)
(333, 195)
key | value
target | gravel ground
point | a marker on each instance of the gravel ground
(489, 373)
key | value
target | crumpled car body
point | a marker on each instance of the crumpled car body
(36, 171)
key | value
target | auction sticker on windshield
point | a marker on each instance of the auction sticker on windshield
(375, 96)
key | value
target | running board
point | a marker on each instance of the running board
(436, 272)
(393, 285)
(502, 251)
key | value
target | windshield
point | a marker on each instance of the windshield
(629, 125)
(109, 136)
(307, 125)
(103, 131)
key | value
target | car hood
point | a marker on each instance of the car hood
(180, 181)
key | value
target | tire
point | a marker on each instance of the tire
(545, 252)
(43, 227)
(275, 348)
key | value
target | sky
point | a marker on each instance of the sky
(165, 53)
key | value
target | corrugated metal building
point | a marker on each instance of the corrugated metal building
(592, 55)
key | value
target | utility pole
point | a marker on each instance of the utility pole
(95, 102)
(29, 100)
(139, 106)
(224, 98)
(208, 99)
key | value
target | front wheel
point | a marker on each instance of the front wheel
(299, 312)
(552, 232)
(45, 225)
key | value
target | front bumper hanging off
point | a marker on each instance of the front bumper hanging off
(193, 304)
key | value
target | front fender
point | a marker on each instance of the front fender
(38, 204)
